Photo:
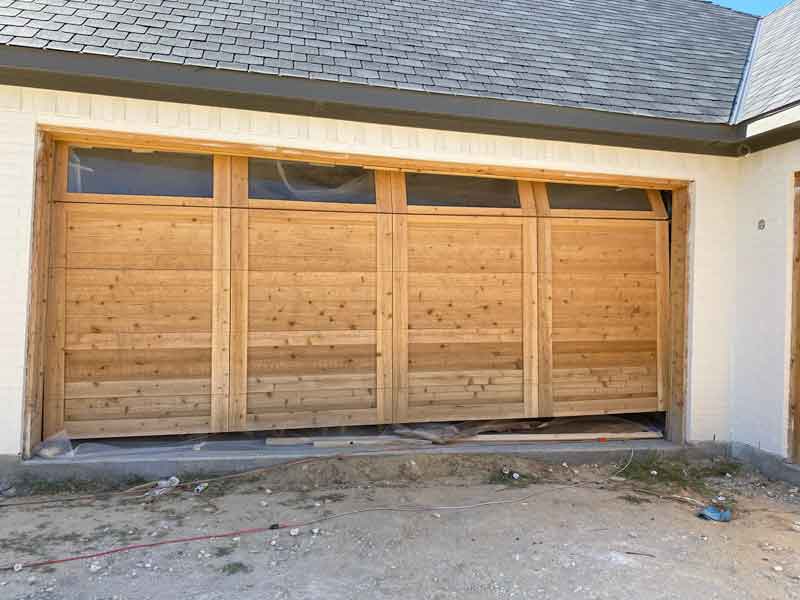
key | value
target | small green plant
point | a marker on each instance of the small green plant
(634, 499)
(502, 477)
(235, 568)
(655, 472)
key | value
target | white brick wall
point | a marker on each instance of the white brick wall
(760, 383)
(714, 222)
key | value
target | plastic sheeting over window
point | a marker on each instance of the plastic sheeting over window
(424, 189)
(292, 180)
(596, 197)
(117, 171)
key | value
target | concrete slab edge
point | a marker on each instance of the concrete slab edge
(124, 468)
(770, 465)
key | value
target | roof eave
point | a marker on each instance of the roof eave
(356, 102)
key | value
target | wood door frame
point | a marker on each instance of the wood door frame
(47, 177)
(794, 355)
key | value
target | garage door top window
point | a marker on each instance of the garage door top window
(597, 197)
(138, 173)
(294, 180)
(424, 189)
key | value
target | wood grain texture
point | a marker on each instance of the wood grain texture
(240, 253)
(794, 364)
(530, 318)
(466, 305)
(605, 280)
(36, 335)
(221, 296)
(663, 334)
(384, 311)
(183, 315)
(679, 312)
(134, 326)
(124, 139)
(319, 296)
(545, 317)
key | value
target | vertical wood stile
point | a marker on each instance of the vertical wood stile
(530, 317)
(399, 203)
(384, 298)
(545, 319)
(240, 237)
(400, 298)
(527, 198)
(541, 199)
(384, 310)
(221, 295)
(679, 294)
(662, 308)
(56, 324)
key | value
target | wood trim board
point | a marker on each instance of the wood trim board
(794, 364)
(122, 139)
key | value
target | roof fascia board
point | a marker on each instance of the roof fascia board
(262, 92)
(772, 120)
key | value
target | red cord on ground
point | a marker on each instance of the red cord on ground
(198, 538)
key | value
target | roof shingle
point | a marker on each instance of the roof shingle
(774, 80)
(679, 59)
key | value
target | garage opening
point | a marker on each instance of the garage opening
(197, 292)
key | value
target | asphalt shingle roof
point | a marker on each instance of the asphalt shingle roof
(774, 80)
(679, 59)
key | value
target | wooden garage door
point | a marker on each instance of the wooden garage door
(191, 293)
(465, 294)
(311, 297)
(314, 344)
(603, 321)
(134, 344)
(466, 283)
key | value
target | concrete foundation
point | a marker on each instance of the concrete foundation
(160, 464)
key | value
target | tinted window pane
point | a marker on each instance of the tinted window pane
(112, 171)
(423, 189)
(292, 180)
(596, 197)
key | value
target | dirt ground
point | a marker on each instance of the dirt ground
(575, 533)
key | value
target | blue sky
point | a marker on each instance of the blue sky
(755, 7)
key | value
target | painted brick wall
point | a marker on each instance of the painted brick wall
(714, 220)
(760, 362)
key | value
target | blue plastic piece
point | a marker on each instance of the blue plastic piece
(714, 513)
